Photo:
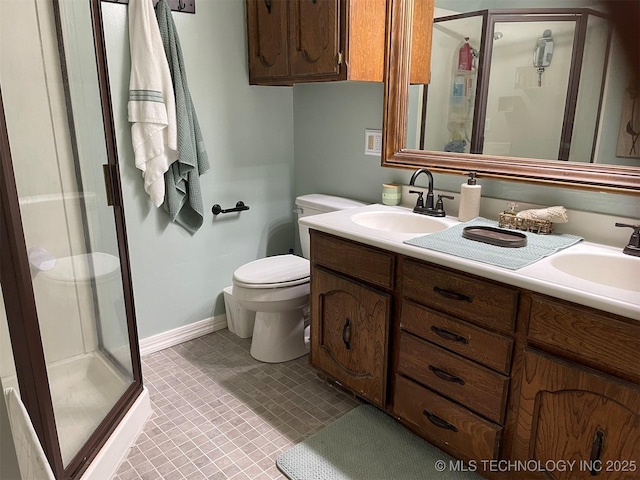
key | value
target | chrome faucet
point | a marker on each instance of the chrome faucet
(427, 209)
(633, 246)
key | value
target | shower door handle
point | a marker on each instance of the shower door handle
(111, 179)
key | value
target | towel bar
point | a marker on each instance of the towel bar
(240, 206)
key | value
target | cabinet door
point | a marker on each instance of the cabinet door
(349, 325)
(314, 37)
(569, 413)
(267, 36)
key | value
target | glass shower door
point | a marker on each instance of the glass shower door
(522, 100)
(54, 120)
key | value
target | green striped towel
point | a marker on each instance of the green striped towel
(183, 197)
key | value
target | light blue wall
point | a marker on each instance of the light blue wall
(330, 119)
(251, 140)
(248, 131)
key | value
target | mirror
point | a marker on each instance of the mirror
(483, 116)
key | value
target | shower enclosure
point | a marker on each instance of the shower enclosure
(68, 340)
(504, 100)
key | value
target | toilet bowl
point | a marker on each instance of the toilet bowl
(277, 290)
(85, 292)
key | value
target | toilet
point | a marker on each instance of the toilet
(277, 290)
(81, 297)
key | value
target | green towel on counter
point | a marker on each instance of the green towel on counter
(183, 197)
(452, 242)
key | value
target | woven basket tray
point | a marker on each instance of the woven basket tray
(509, 220)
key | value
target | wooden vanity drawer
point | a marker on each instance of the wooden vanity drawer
(482, 390)
(470, 298)
(601, 341)
(446, 423)
(489, 349)
(353, 259)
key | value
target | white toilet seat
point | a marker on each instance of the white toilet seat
(279, 271)
(277, 290)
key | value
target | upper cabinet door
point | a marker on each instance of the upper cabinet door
(315, 37)
(268, 33)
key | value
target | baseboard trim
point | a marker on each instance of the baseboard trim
(182, 334)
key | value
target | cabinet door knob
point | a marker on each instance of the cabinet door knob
(596, 451)
(346, 334)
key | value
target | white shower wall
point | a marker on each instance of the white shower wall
(50, 205)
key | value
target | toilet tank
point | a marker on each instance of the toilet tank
(315, 204)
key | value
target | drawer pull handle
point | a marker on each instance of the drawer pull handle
(438, 422)
(447, 335)
(596, 452)
(346, 334)
(452, 295)
(445, 375)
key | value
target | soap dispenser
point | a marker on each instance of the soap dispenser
(469, 199)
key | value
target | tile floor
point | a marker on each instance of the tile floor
(220, 414)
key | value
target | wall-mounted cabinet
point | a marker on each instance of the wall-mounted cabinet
(296, 41)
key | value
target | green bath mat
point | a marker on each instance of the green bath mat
(366, 444)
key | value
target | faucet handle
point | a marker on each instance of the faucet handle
(440, 204)
(420, 201)
(633, 246)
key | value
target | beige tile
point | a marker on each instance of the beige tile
(219, 414)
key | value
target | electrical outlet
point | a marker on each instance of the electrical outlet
(372, 142)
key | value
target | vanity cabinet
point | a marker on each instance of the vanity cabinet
(456, 367)
(481, 369)
(295, 41)
(569, 413)
(350, 316)
(579, 397)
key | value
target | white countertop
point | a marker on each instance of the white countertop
(540, 276)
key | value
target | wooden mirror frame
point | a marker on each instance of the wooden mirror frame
(600, 177)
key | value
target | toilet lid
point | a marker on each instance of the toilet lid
(84, 267)
(280, 270)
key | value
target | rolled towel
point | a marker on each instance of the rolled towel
(552, 214)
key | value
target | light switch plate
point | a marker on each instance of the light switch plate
(372, 142)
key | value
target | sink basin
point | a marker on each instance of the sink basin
(608, 270)
(399, 222)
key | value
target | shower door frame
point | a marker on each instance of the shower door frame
(489, 18)
(19, 299)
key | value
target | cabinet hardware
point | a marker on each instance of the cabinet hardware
(447, 335)
(267, 3)
(452, 295)
(346, 334)
(445, 375)
(339, 58)
(439, 422)
(596, 452)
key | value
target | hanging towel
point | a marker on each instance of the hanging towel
(151, 100)
(32, 461)
(182, 181)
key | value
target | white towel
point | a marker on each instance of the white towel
(31, 458)
(152, 108)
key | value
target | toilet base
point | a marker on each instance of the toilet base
(279, 337)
